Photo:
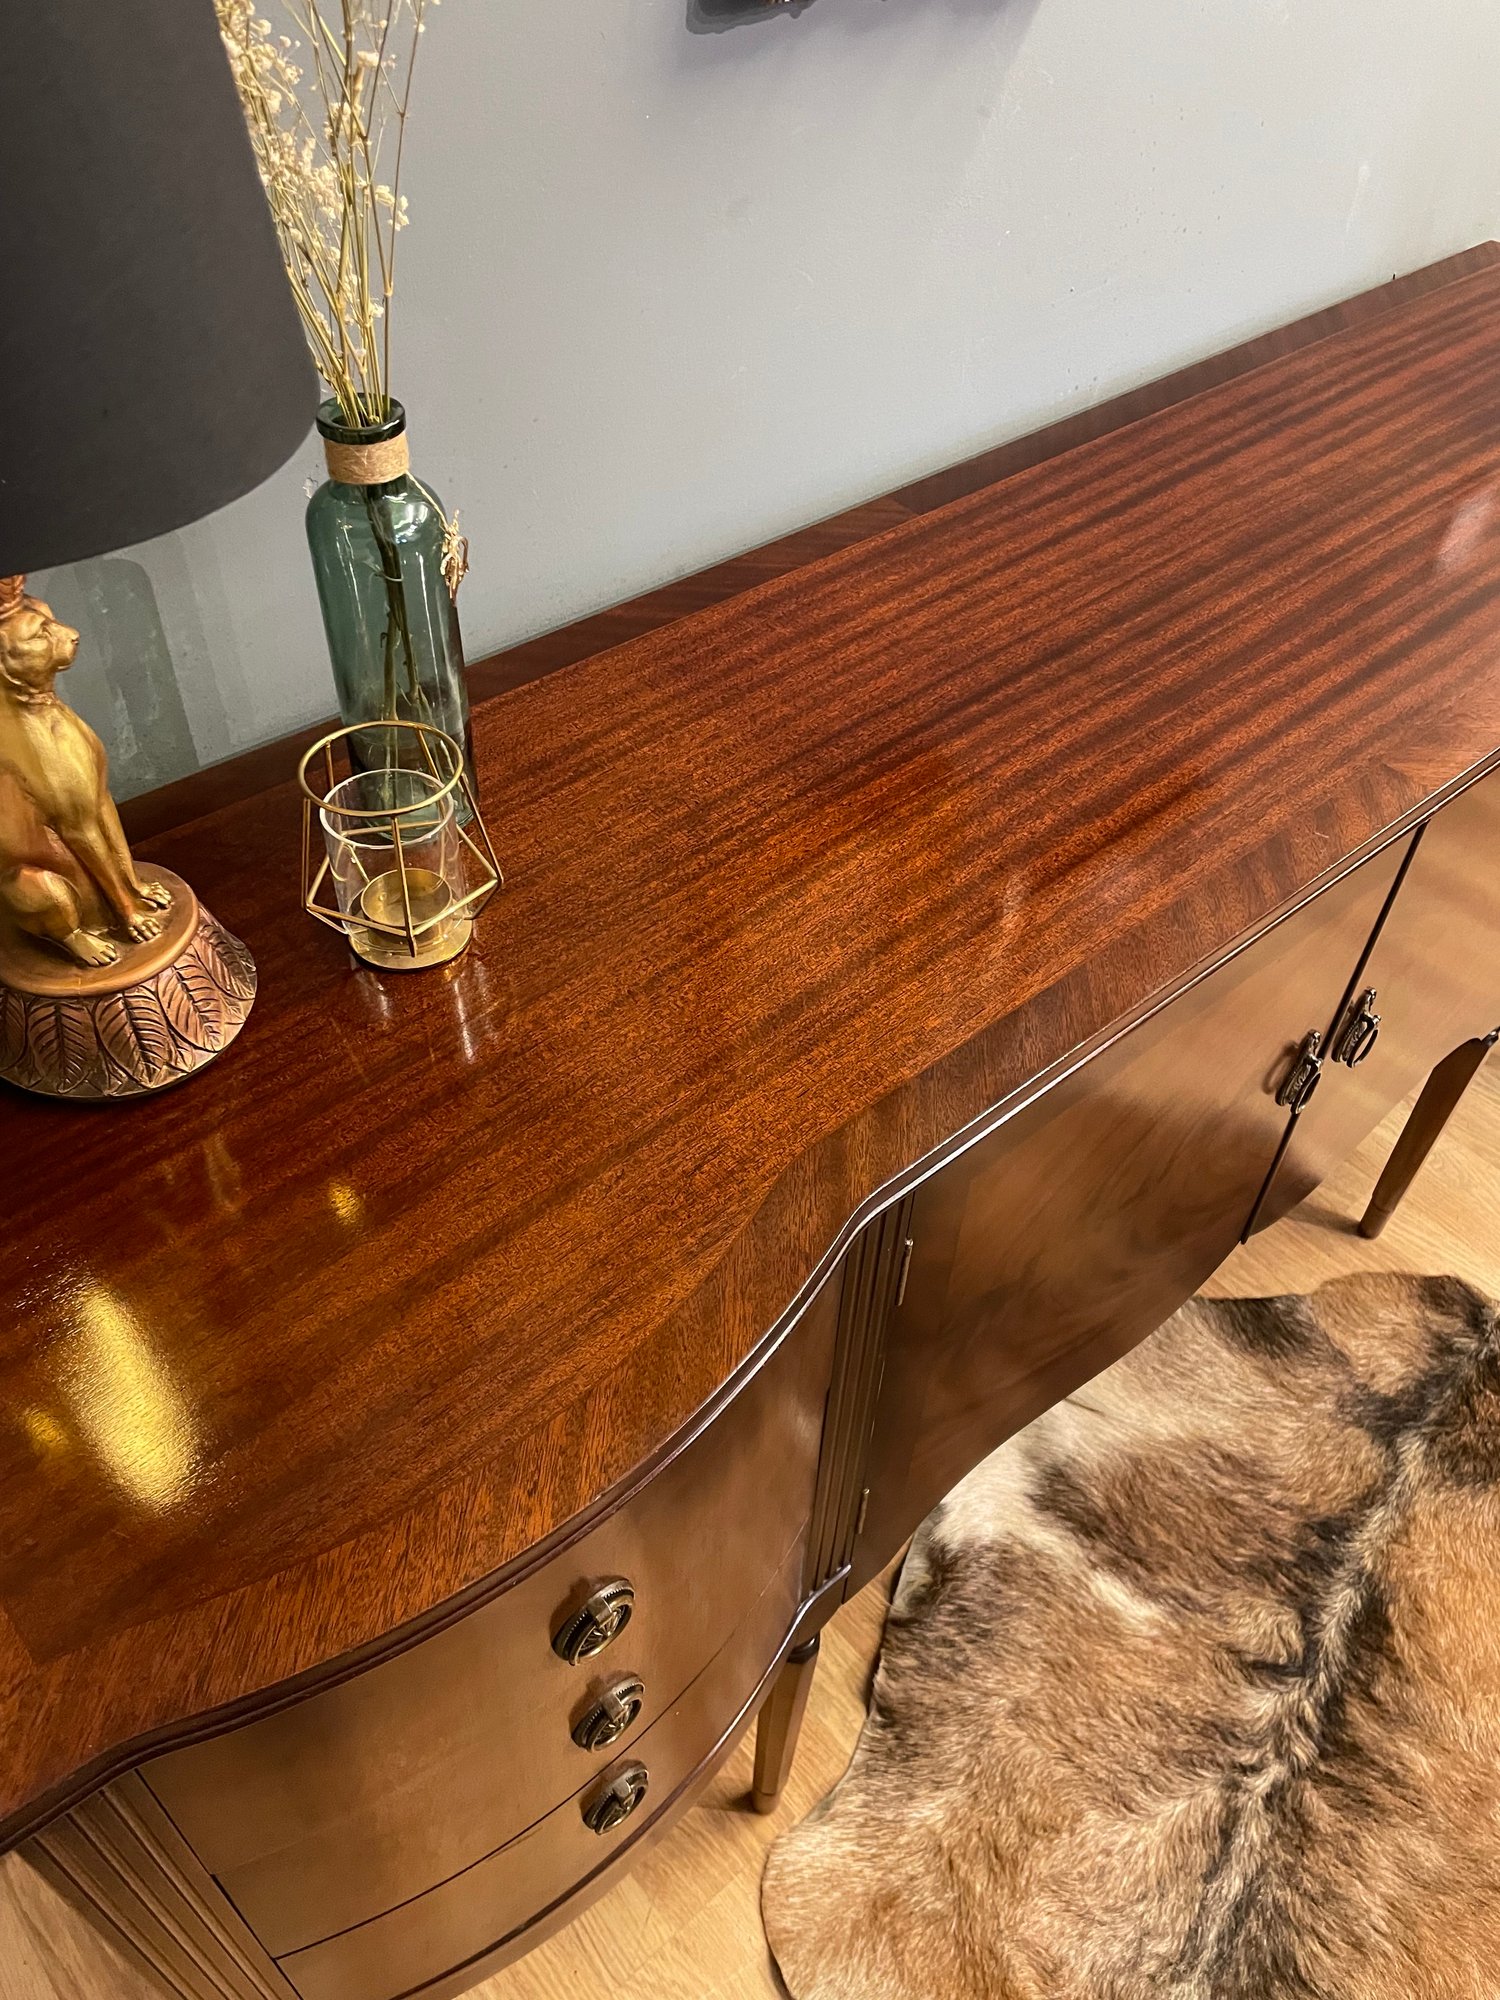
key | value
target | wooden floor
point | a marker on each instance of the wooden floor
(685, 1924)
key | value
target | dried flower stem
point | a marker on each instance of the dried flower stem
(325, 103)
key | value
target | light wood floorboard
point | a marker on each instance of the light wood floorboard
(685, 1925)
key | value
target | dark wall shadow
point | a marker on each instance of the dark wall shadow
(874, 22)
(711, 17)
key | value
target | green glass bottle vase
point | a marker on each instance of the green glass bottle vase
(377, 539)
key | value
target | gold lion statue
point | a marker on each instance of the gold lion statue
(66, 875)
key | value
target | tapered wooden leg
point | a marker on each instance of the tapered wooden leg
(781, 1723)
(1430, 1113)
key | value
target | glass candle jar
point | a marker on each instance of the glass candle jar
(408, 875)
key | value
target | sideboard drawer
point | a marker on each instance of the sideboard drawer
(466, 1919)
(363, 1796)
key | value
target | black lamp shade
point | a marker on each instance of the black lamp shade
(152, 366)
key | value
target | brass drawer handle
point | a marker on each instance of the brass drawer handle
(596, 1623)
(614, 1710)
(1305, 1074)
(1359, 1033)
(614, 1799)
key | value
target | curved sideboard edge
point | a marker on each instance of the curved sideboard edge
(340, 1667)
(130, 1754)
(322, 1663)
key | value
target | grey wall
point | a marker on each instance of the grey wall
(674, 286)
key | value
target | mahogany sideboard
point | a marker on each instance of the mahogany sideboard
(428, 1438)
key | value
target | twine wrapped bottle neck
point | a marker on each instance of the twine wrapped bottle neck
(373, 454)
(364, 453)
(367, 464)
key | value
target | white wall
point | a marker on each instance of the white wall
(667, 293)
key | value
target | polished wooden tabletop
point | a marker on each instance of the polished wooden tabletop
(297, 1355)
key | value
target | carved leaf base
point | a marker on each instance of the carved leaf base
(142, 1035)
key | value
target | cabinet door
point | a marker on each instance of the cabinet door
(1055, 1243)
(1432, 977)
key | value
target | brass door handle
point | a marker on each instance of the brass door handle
(1360, 1032)
(1305, 1074)
(614, 1799)
(613, 1710)
(597, 1622)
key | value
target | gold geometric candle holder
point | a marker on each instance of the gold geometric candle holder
(390, 855)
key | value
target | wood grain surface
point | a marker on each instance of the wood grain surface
(684, 1922)
(253, 771)
(799, 885)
